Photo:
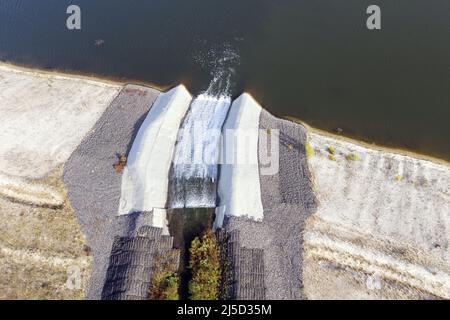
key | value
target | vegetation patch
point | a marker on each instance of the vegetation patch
(309, 150)
(165, 282)
(352, 157)
(205, 267)
(331, 150)
(164, 286)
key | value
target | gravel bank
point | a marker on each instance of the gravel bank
(94, 186)
(288, 200)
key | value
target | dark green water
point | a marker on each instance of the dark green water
(312, 59)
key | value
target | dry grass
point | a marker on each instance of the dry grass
(38, 249)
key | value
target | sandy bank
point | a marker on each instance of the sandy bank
(81, 76)
(41, 248)
(43, 119)
(374, 198)
(44, 116)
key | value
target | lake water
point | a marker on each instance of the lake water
(313, 59)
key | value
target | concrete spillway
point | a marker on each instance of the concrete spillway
(174, 163)
(194, 175)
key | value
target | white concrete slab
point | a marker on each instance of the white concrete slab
(159, 220)
(146, 176)
(239, 186)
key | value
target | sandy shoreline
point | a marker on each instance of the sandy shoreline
(74, 75)
(381, 215)
(368, 145)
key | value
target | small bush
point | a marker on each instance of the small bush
(398, 177)
(205, 267)
(171, 291)
(331, 150)
(309, 150)
(164, 286)
(331, 157)
(352, 157)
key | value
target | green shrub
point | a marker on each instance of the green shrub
(331, 150)
(331, 157)
(205, 267)
(171, 287)
(164, 286)
(309, 150)
(352, 157)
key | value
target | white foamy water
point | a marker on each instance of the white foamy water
(193, 182)
(197, 148)
(194, 176)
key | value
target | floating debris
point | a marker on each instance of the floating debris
(99, 42)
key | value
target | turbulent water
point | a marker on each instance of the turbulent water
(195, 170)
(194, 173)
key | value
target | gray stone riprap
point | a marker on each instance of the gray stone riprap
(249, 274)
(288, 200)
(133, 262)
(94, 186)
(242, 269)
